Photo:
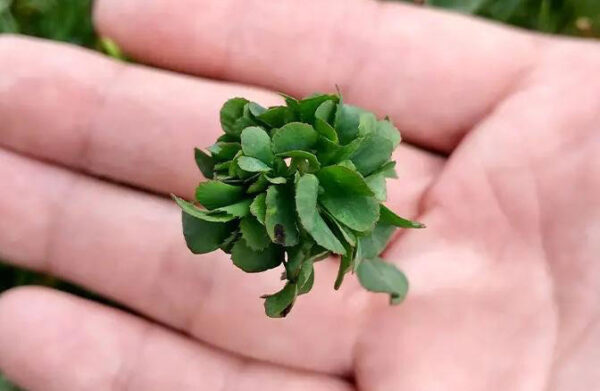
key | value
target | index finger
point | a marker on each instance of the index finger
(435, 74)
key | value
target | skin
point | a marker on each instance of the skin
(501, 161)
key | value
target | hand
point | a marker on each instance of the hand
(502, 162)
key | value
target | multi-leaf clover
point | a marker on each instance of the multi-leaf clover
(290, 185)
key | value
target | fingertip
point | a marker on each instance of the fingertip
(22, 311)
(43, 332)
(20, 302)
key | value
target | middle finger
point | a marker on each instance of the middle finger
(125, 122)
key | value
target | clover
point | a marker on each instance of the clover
(291, 185)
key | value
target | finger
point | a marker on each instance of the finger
(54, 341)
(436, 74)
(128, 246)
(127, 123)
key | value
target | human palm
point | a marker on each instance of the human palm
(503, 166)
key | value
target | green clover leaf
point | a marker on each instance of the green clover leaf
(293, 184)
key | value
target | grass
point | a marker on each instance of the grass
(569, 17)
(70, 21)
(5, 385)
(60, 20)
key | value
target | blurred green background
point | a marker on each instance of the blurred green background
(70, 21)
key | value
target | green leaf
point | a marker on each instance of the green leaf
(280, 217)
(235, 181)
(326, 150)
(204, 162)
(280, 304)
(376, 183)
(326, 130)
(330, 152)
(223, 151)
(388, 170)
(348, 198)
(304, 289)
(214, 194)
(346, 122)
(277, 116)
(292, 103)
(312, 160)
(254, 233)
(239, 209)
(343, 179)
(223, 166)
(348, 150)
(256, 143)
(258, 208)
(294, 136)
(367, 124)
(308, 106)
(374, 151)
(232, 116)
(228, 243)
(255, 109)
(190, 209)
(297, 256)
(378, 276)
(228, 138)
(375, 242)
(251, 164)
(358, 257)
(259, 185)
(323, 116)
(234, 169)
(358, 213)
(237, 172)
(202, 236)
(325, 111)
(306, 278)
(345, 266)
(318, 253)
(345, 232)
(347, 164)
(387, 130)
(307, 190)
(252, 261)
(276, 180)
(389, 217)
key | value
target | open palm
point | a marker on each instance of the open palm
(503, 166)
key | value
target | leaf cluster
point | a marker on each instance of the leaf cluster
(290, 185)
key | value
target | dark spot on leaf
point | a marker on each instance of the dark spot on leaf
(279, 234)
(286, 310)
